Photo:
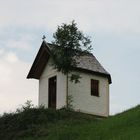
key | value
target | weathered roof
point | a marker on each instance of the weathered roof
(85, 63)
(89, 62)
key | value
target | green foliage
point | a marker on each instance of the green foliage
(28, 104)
(75, 78)
(70, 43)
(48, 124)
(34, 122)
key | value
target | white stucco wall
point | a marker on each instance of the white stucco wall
(84, 102)
(81, 92)
(49, 72)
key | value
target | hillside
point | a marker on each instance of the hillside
(46, 124)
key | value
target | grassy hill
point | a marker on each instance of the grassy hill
(46, 124)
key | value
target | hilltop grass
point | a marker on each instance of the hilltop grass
(47, 124)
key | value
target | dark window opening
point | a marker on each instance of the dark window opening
(94, 87)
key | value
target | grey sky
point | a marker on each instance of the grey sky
(115, 33)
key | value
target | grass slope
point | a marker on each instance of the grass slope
(46, 124)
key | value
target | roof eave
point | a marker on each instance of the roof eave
(44, 52)
(96, 73)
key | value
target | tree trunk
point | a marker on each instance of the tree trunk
(67, 91)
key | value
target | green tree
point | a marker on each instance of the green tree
(70, 44)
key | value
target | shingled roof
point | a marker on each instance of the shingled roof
(86, 63)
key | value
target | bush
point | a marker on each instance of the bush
(35, 121)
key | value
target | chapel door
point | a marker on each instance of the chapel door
(52, 92)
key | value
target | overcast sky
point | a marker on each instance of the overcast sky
(114, 27)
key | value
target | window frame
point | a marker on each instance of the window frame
(94, 87)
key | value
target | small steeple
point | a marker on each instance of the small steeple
(44, 37)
